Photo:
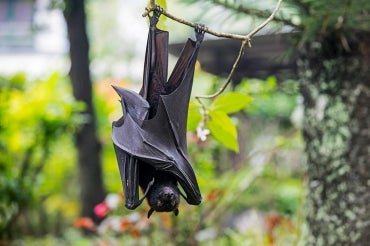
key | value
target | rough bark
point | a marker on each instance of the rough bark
(87, 143)
(335, 85)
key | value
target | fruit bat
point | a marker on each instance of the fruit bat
(150, 138)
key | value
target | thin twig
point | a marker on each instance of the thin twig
(231, 74)
(263, 24)
(245, 42)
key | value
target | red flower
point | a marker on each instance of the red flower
(101, 210)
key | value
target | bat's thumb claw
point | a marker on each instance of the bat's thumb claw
(176, 211)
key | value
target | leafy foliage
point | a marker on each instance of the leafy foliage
(220, 124)
(223, 129)
(34, 114)
(253, 97)
(226, 194)
(230, 102)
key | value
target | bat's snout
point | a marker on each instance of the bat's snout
(168, 194)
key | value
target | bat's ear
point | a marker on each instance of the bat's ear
(151, 210)
(176, 211)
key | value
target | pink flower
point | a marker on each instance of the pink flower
(101, 210)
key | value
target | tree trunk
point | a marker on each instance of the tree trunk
(88, 145)
(335, 85)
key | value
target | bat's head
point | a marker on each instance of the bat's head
(164, 197)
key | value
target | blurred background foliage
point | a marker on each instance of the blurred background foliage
(254, 196)
(37, 157)
(249, 167)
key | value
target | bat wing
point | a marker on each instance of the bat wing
(153, 142)
(136, 107)
(153, 126)
(128, 168)
(155, 67)
(178, 90)
(161, 140)
(175, 105)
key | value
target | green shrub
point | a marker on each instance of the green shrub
(35, 117)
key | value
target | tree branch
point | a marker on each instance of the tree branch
(231, 74)
(212, 32)
(245, 42)
(192, 24)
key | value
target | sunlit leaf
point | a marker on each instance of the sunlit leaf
(194, 116)
(223, 129)
(231, 102)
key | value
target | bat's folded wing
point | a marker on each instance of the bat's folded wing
(160, 135)
(128, 168)
(135, 111)
(161, 140)
(132, 104)
(154, 143)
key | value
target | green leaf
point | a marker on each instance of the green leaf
(194, 116)
(231, 102)
(223, 129)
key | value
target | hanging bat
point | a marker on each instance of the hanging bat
(150, 138)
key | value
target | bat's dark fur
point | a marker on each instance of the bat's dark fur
(164, 196)
(150, 138)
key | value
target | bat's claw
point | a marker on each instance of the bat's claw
(199, 32)
(158, 9)
(150, 212)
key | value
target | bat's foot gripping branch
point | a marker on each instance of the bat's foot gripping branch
(199, 32)
(155, 17)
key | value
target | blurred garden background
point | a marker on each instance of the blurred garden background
(59, 179)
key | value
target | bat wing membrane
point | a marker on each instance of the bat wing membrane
(153, 126)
